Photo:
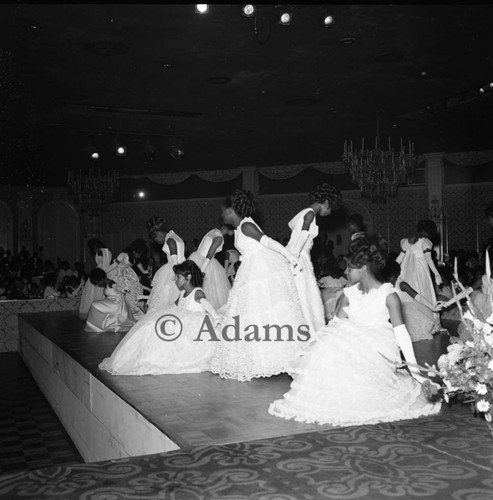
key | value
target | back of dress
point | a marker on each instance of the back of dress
(246, 245)
(180, 246)
(206, 242)
(189, 301)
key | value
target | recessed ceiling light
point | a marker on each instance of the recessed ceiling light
(329, 21)
(248, 10)
(424, 73)
(202, 8)
(219, 80)
(349, 40)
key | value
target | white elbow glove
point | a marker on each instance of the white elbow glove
(300, 243)
(422, 300)
(277, 247)
(406, 346)
(173, 259)
(209, 309)
(205, 264)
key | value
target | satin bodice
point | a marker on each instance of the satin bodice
(180, 246)
(246, 245)
(206, 242)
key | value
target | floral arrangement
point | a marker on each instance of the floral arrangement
(467, 368)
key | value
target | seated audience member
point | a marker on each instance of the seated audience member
(18, 291)
(50, 290)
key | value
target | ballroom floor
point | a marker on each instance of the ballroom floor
(448, 456)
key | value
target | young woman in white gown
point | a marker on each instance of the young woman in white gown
(90, 293)
(263, 294)
(216, 284)
(111, 314)
(165, 341)
(353, 374)
(323, 200)
(164, 291)
(416, 263)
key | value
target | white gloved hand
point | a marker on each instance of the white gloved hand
(277, 247)
(209, 309)
(300, 243)
(205, 264)
(406, 346)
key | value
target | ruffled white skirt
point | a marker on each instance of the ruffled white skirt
(350, 376)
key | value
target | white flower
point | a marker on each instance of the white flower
(487, 417)
(481, 389)
(483, 405)
(445, 397)
(469, 343)
(450, 387)
(490, 365)
(488, 338)
(487, 329)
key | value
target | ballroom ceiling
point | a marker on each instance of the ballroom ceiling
(236, 91)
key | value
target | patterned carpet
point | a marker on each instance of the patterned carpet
(31, 435)
(449, 456)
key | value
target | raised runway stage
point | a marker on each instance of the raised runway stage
(111, 417)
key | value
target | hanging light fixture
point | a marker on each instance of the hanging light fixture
(285, 15)
(175, 148)
(201, 8)
(379, 172)
(91, 191)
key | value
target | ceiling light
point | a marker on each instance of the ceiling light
(285, 18)
(481, 90)
(95, 156)
(120, 150)
(92, 151)
(491, 85)
(202, 8)
(248, 10)
(141, 194)
(329, 21)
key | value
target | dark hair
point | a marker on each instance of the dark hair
(356, 220)
(242, 202)
(488, 211)
(188, 267)
(429, 227)
(94, 245)
(370, 250)
(97, 277)
(391, 270)
(155, 224)
(325, 192)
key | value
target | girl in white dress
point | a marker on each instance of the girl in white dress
(353, 374)
(164, 291)
(111, 314)
(263, 294)
(416, 263)
(166, 340)
(323, 200)
(126, 282)
(216, 284)
(90, 293)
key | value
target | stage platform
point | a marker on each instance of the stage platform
(111, 417)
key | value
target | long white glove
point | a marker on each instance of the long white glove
(209, 309)
(404, 342)
(277, 247)
(173, 260)
(205, 264)
(423, 300)
(300, 243)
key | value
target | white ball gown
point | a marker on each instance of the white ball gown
(111, 314)
(349, 376)
(263, 293)
(415, 272)
(306, 283)
(149, 350)
(164, 291)
(216, 284)
(127, 282)
(91, 293)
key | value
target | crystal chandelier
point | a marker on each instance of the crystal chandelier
(379, 172)
(93, 192)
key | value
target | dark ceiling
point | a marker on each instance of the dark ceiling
(238, 91)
